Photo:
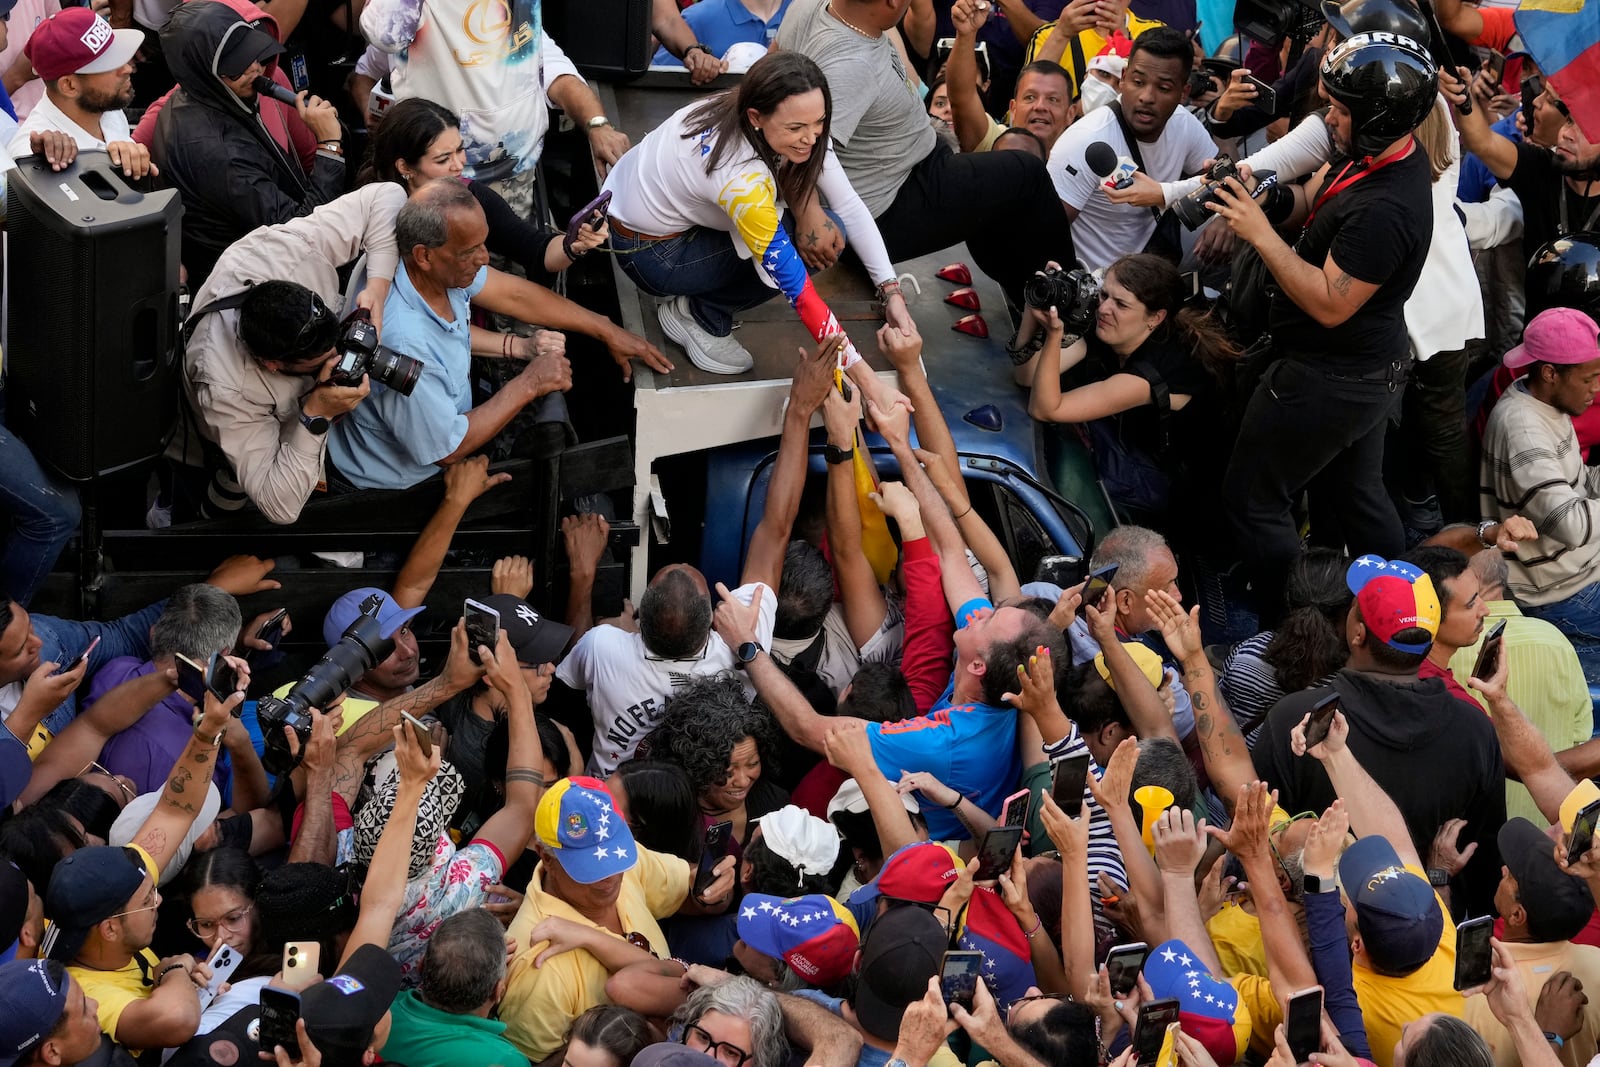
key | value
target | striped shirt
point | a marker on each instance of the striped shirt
(1104, 856)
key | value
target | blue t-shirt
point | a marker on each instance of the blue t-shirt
(1476, 181)
(972, 748)
(391, 441)
(721, 24)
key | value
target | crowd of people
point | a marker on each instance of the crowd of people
(1321, 310)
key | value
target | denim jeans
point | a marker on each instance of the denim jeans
(44, 515)
(1578, 616)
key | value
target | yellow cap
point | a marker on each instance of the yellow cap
(1144, 658)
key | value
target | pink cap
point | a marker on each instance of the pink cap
(1558, 335)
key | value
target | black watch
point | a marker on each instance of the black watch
(316, 424)
(836, 455)
(1315, 884)
(1438, 876)
(745, 653)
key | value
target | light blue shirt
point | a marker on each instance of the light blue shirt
(392, 441)
(721, 24)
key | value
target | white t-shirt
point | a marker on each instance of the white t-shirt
(841, 659)
(1106, 231)
(46, 116)
(25, 17)
(628, 685)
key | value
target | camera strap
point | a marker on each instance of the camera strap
(1133, 144)
(1345, 179)
(192, 323)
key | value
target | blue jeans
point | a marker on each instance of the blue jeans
(44, 515)
(703, 265)
(1578, 616)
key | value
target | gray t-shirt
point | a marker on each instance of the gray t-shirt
(879, 127)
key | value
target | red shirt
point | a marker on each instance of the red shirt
(1428, 670)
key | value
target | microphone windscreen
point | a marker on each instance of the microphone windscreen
(1100, 158)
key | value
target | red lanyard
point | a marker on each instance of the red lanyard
(1343, 182)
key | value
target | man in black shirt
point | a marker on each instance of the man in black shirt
(1318, 417)
(1559, 187)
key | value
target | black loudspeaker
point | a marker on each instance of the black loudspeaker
(603, 38)
(92, 360)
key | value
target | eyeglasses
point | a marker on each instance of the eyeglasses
(697, 657)
(233, 921)
(638, 940)
(729, 1055)
(127, 794)
(1275, 831)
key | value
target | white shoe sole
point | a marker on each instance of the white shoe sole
(675, 329)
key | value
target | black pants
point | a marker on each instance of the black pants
(1002, 204)
(1433, 438)
(1307, 430)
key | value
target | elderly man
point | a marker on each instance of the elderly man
(449, 1019)
(397, 441)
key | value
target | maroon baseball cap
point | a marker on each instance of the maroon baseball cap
(1557, 335)
(77, 41)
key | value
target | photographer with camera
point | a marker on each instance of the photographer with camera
(402, 438)
(1144, 375)
(260, 356)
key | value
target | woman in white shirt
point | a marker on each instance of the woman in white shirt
(696, 214)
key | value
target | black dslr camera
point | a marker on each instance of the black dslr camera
(1075, 294)
(360, 648)
(360, 353)
(1191, 210)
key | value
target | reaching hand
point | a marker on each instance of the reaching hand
(512, 575)
(502, 671)
(1326, 840)
(461, 671)
(1338, 734)
(703, 66)
(1252, 818)
(893, 423)
(607, 143)
(416, 769)
(897, 502)
(933, 791)
(469, 479)
(243, 575)
(1070, 836)
(1037, 682)
(840, 417)
(1180, 841)
(1445, 854)
(559, 936)
(849, 748)
(546, 374)
(1181, 632)
(1115, 786)
(735, 621)
(586, 537)
(1065, 612)
(925, 1026)
(1560, 1006)
(813, 376)
(1102, 619)
(626, 347)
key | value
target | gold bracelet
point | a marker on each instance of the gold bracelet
(964, 514)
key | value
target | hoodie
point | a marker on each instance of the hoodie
(1436, 757)
(282, 121)
(217, 151)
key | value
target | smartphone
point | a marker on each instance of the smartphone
(1014, 812)
(272, 630)
(1473, 953)
(1322, 713)
(592, 214)
(221, 678)
(718, 835)
(1067, 779)
(959, 977)
(1303, 1024)
(280, 1010)
(994, 855)
(1099, 581)
(1266, 95)
(1489, 653)
(1124, 965)
(223, 961)
(1496, 62)
(1149, 1029)
(191, 679)
(76, 661)
(1582, 837)
(300, 960)
(483, 626)
(420, 732)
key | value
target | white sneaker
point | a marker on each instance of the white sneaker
(714, 355)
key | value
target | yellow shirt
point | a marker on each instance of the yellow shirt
(353, 708)
(1090, 40)
(1237, 936)
(541, 1002)
(1546, 681)
(1537, 963)
(114, 990)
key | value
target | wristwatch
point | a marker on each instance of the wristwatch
(1438, 876)
(316, 424)
(1555, 1039)
(836, 455)
(697, 47)
(746, 652)
(598, 121)
(1483, 528)
(1316, 884)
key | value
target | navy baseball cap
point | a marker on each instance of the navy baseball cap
(1397, 911)
(87, 888)
(32, 1005)
(1558, 904)
(341, 1013)
(391, 616)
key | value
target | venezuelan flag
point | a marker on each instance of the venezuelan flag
(1564, 38)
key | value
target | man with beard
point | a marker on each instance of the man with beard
(1559, 186)
(87, 68)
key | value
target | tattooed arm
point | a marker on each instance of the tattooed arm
(185, 792)
(371, 733)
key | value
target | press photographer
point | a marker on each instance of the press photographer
(264, 374)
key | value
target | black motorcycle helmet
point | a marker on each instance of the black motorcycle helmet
(1565, 272)
(1388, 83)
(1364, 16)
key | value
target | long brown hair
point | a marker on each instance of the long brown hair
(769, 82)
(1159, 287)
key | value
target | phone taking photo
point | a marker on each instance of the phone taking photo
(718, 834)
(1302, 1024)
(1150, 1029)
(593, 215)
(221, 678)
(1014, 812)
(994, 855)
(959, 975)
(1266, 95)
(1124, 964)
(223, 961)
(280, 1010)
(191, 679)
(1094, 590)
(483, 627)
(420, 731)
(77, 661)
(1489, 653)
(1581, 840)
(1474, 954)
(1068, 776)
(1322, 713)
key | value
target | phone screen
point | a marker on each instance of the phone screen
(1068, 777)
(994, 855)
(483, 626)
(716, 847)
(272, 630)
(1150, 1030)
(1582, 837)
(1497, 65)
(959, 976)
(1123, 966)
(191, 678)
(280, 1009)
(1015, 810)
(1489, 653)
(1322, 713)
(223, 680)
(1473, 952)
(76, 661)
(1303, 1024)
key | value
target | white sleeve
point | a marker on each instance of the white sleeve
(768, 611)
(374, 63)
(1297, 153)
(861, 230)
(1075, 183)
(1493, 222)
(554, 64)
(574, 669)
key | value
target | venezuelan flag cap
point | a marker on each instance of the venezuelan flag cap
(581, 830)
(814, 935)
(1209, 1008)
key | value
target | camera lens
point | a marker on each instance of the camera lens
(394, 370)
